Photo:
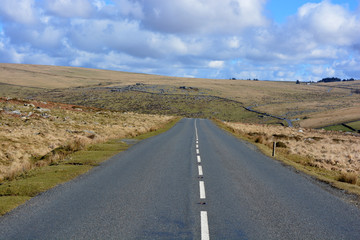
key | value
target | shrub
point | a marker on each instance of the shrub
(281, 145)
(260, 139)
(280, 136)
(348, 178)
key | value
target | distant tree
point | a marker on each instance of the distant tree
(297, 82)
(332, 79)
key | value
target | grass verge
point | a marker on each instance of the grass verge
(348, 181)
(29, 184)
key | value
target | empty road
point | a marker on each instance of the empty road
(193, 182)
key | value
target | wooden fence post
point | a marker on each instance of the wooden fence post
(274, 147)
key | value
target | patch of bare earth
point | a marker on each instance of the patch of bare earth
(30, 130)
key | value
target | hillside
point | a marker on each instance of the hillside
(35, 133)
(314, 105)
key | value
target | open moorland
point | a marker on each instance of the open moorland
(309, 105)
(329, 154)
(35, 133)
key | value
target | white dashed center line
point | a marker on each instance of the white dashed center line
(203, 214)
(202, 189)
(200, 170)
(204, 226)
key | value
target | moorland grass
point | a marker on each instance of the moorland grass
(318, 101)
(195, 106)
(306, 164)
(29, 184)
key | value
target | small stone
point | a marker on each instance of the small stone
(16, 112)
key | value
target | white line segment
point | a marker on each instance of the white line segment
(200, 170)
(204, 226)
(203, 214)
(202, 190)
(196, 132)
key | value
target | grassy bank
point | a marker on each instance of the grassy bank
(331, 157)
(35, 133)
(29, 184)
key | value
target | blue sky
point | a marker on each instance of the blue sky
(279, 10)
(264, 39)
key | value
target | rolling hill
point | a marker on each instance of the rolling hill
(314, 105)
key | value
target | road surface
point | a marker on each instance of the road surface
(193, 182)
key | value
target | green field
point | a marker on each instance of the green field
(355, 125)
(338, 128)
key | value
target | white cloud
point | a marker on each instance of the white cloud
(323, 71)
(18, 11)
(130, 8)
(330, 23)
(233, 42)
(189, 37)
(70, 8)
(199, 16)
(216, 64)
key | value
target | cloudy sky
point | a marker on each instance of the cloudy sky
(264, 39)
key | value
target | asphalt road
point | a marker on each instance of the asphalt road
(173, 187)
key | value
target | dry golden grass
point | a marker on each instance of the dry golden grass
(327, 118)
(330, 150)
(280, 98)
(27, 133)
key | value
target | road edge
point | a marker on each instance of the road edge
(16, 192)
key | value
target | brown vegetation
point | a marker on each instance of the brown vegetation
(36, 133)
(327, 118)
(330, 150)
(309, 103)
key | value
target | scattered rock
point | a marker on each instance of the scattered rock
(29, 105)
(42, 110)
(89, 132)
(25, 119)
(16, 112)
(75, 131)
